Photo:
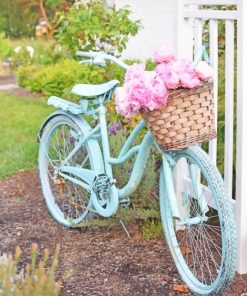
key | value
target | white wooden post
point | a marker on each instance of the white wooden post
(229, 104)
(241, 182)
(184, 32)
(197, 35)
(184, 47)
(213, 34)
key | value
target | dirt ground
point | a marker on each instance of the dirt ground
(92, 261)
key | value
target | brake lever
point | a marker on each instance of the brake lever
(99, 60)
(90, 61)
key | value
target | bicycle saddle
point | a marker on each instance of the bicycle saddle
(94, 90)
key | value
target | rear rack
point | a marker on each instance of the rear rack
(67, 105)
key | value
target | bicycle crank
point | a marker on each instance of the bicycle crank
(105, 197)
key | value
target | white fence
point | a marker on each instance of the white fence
(190, 26)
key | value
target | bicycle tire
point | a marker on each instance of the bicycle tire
(176, 239)
(90, 149)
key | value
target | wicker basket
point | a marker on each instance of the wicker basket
(186, 119)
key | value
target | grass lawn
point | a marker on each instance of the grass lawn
(20, 120)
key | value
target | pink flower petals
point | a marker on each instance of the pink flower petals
(141, 89)
(164, 54)
(189, 81)
(122, 105)
(149, 89)
(135, 71)
(204, 71)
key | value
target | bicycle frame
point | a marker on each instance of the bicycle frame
(142, 150)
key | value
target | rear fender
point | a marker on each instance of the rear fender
(78, 120)
(85, 127)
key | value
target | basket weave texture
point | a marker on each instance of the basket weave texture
(186, 119)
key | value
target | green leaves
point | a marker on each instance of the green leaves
(93, 26)
(58, 79)
(5, 47)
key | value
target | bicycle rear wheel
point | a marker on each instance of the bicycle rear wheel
(203, 243)
(67, 202)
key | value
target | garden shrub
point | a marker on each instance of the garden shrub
(46, 52)
(92, 25)
(21, 58)
(59, 78)
(36, 279)
(5, 47)
(56, 79)
(25, 74)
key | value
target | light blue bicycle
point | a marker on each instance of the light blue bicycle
(77, 179)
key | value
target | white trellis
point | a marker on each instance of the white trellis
(190, 18)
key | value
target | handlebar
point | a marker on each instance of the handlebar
(99, 58)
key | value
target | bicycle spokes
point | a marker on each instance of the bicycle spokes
(71, 199)
(199, 235)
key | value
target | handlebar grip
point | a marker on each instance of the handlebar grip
(86, 54)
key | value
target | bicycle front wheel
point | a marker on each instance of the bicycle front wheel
(203, 242)
(67, 202)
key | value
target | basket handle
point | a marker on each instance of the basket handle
(202, 53)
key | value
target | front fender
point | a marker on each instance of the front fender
(167, 189)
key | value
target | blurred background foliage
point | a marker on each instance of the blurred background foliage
(18, 18)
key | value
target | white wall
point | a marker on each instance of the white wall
(158, 21)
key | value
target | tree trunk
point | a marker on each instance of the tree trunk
(44, 15)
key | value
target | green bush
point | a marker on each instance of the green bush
(21, 58)
(6, 48)
(59, 78)
(36, 279)
(46, 52)
(25, 74)
(92, 25)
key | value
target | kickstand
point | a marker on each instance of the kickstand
(125, 229)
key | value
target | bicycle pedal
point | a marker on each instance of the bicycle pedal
(124, 203)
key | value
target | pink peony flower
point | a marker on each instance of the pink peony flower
(122, 102)
(164, 54)
(157, 90)
(137, 93)
(136, 71)
(172, 81)
(169, 77)
(189, 81)
(149, 89)
(204, 71)
(161, 69)
(179, 72)
(180, 66)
